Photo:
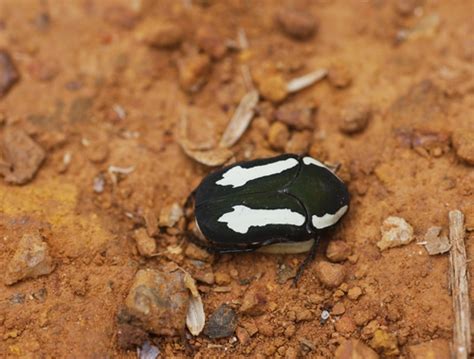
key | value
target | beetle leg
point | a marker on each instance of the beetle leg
(309, 258)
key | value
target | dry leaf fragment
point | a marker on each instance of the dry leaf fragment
(304, 81)
(195, 318)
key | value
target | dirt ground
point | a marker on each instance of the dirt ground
(99, 86)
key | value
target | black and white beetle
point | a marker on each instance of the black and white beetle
(274, 201)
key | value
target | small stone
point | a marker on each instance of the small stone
(385, 343)
(170, 215)
(395, 232)
(278, 136)
(193, 72)
(354, 293)
(272, 86)
(194, 252)
(296, 24)
(329, 274)
(463, 142)
(338, 251)
(207, 278)
(9, 75)
(242, 335)
(339, 76)
(433, 349)
(251, 328)
(158, 301)
(254, 301)
(212, 44)
(22, 157)
(290, 330)
(265, 329)
(369, 330)
(221, 323)
(299, 143)
(436, 243)
(338, 309)
(165, 34)
(145, 244)
(222, 278)
(345, 325)
(130, 337)
(295, 116)
(151, 223)
(354, 118)
(31, 259)
(354, 349)
(303, 314)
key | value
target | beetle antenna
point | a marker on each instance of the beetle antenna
(309, 258)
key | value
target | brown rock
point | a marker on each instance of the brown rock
(338, 309)
(158, 301)
(338, 251)
(385, 343)
(130, 337)
(290, 330)
(331, 275)
(278, 135)
(151, 223)
(369, 330)
(433, 349)
(8, 73)
(222, 278)
(212, 44)
(396, 231)
(195, 252)
(339, 76)
(207, 278)
(354, 118)
(299, 143)
(345, 325)
(354, 349)
(254, 301)
(265, 329)
(165, 34)
(145, 244)
(222, 323)
(22, 157)
(463, 141)
(354, 293)
(170, 215)
(242, 335)
(297, 24)
(303, 314)
(31, 259)
(295, 117)
(193, 72)
(271, 85)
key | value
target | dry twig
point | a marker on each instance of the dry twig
(460, 286)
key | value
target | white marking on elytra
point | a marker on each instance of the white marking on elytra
(243, 217)
(312, 161)
(239, 176)
(328, 219)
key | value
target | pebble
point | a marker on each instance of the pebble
(395, 232)
(271, 86)
(354, 118)
(222, 323)
(130, 337)
(290, 330)
(354, 293)
(433, 349)
(354, 349)
(145, 244)
(329, 274)
(278, 135)
(303, 314)
(9, 75)
(193, 72)
(338, 251)
(436, 243)
(31, 259)
(222, 278)
(242, 335)
(369, 330)
(211, 43)
(299, 143)
(339, 76)
(254, 301)
(295, 117)
(22, 157)
(170, 215)
(385, 343)
(251, 328)
(463, 142)
(207, 278)
(345, 325)
(194, 252)
(158, 301)
(151, 223)
(296, 24)
(165, 34)
(338, 309)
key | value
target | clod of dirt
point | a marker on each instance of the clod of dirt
(299, 143)
(463, 141)
(222, 323)
(339, 76)
(354, 349)
(170, 215)
(436, 243)
(158, 301)
(8, 73)
(303, 314)
(130, 336)
(426, 142)
(329, 274)
(395, 232)
(278, 135)
(22, 157)
(338, 251)
(151, 222)
(211, 43)
(271, 85)
(299, 118)
(385, 343)
(207, 277)
(223, 278)
(296, 24)
(354, 118)
(242, 335)
(165, 34)
(436, 349)
(285, 272)
(194, 252)
(97, 152)
(338, 309)
(254, 301)
(31, 259)
(193, 72)
(145, 244)
(345, 325)
(354, 293)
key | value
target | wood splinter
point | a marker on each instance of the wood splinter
(459, 286)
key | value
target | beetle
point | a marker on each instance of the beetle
(272, 202)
